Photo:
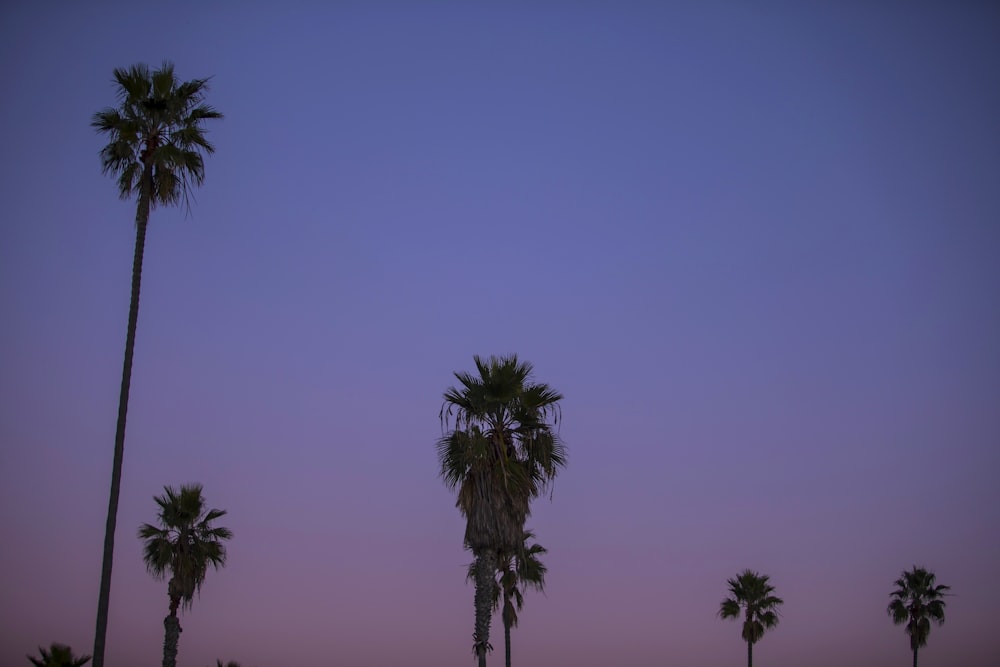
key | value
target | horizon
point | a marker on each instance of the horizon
(755, 248)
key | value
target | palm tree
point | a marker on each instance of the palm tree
(184, 545)
(916, 602)
(753, 599)
(156, 142)
(516, 571)
(501, 453)
(58, 655)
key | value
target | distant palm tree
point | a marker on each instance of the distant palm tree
(516, 571)
(156, 142)
(58, 655)
(753, 600)
(184, 544)
(231, 663)
(501, 453)
(917, 601)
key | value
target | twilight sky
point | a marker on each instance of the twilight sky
(756, 248)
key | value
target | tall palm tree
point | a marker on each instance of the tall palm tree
(184, 544)
(753, 599)
(155, 146)
(500, 451)
(516, 572)
(58, 655)
(917, 601)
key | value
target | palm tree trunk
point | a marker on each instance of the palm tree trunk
(749, 654)
(172, 626)
(486, 566)
(103, 601)
(172, 634)
(914, 657)
(506, 642)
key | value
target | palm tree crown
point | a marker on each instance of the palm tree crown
(752, 598)
(917, 601)
(58, 655)
(156, 138)
(502, 451)
(185, 543)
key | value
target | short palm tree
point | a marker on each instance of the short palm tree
(184, 544)
(500, 450)
(155, 145)
(753, 600)
(516, 572)
(917, 601)
(58, 655)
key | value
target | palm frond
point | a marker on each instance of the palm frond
(729, 608)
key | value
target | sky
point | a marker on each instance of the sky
(754, 245)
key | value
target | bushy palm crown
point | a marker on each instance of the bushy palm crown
(58, 655)
(156, 138)
(752, 597)
(917, 601)
(499, 448)
(185, 544)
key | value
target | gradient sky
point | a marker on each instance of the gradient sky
(756, 248)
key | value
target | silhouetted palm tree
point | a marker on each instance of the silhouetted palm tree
(184, 544)
(917, 601)
(155, 147)
(516, 572)
(58, 655)
(752, 599)
(501, 453)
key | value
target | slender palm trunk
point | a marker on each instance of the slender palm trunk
(506, 642)
(486, 566)
(914, 657)
(103, 601)
(172, 634)
(749, 654)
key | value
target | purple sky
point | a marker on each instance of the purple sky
(757, 249)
